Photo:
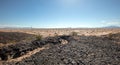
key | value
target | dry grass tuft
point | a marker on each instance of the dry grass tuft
(74, 34)
(39, 37)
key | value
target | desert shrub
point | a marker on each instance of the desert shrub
(55, 34)
(110, 35)
(113, 36)
(39, 37)
(74, 33)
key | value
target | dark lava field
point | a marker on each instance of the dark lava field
(65, 50)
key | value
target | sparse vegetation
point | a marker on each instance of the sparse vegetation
(56, 34)
(110, 35)
(74, 33)
(39, 37)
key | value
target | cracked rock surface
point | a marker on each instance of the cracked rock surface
(81, 50)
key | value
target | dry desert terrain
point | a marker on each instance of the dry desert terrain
(67, 46)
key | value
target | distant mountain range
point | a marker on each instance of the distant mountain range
(112, 27)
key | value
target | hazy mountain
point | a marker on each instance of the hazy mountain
(112, 27)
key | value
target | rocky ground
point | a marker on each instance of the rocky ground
(73, 50)
(10, 38)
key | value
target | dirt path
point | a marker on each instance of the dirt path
(29, 54)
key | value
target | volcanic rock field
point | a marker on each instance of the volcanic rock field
(64, 50)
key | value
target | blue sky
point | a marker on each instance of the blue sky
(59, 13)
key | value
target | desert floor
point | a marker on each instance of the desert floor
(95, 46)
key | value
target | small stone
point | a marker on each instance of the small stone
(65, 60)
(73, 62)
(61, 64)
(64, 41)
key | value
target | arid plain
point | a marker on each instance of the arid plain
(60, 46)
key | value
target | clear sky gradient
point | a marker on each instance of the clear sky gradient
(59, 13)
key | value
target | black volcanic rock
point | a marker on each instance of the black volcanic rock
(17, 50)
(80, 50)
